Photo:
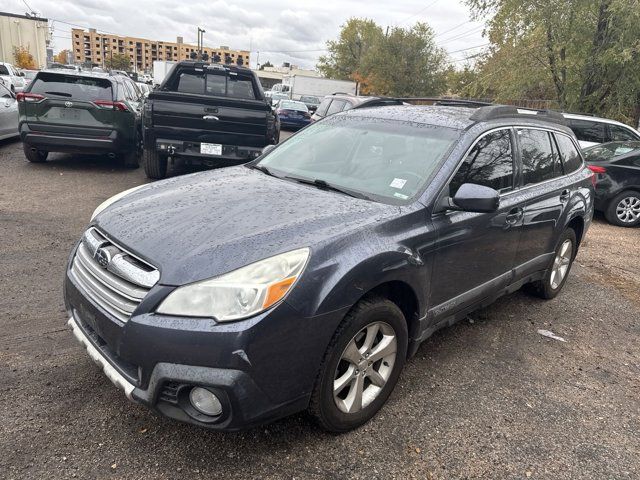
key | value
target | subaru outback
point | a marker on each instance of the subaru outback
(305, 279)
(78, 112)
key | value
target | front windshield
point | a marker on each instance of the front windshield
(385, 160)
(289, 105)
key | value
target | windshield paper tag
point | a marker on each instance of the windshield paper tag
(400, 195)
(398, 183)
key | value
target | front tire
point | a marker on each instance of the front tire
(558, 272)
(624, 210)
(361, 366)
(33, 155)
(155, 165)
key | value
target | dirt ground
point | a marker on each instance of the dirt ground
(487, 398)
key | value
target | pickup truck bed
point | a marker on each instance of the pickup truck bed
(210, 115)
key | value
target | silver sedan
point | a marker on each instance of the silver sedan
(8, 113)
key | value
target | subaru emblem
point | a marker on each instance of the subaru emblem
(103, 257)
(68, 104)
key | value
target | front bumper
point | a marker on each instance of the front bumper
(261, 369)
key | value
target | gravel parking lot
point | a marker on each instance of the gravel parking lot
(487, 398)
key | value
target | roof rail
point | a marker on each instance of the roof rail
(508, 111)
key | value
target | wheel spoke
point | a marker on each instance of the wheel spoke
(353, 402)
(372, 333)
(552, 280)
(386, 347)
(564, 248)
(351, 353)
(344, 380)
(377, 379)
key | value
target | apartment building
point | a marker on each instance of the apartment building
(96, 48)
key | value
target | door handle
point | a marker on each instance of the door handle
(514, 215)
(564, 196)
(210, 118)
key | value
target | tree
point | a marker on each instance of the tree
(62, 57)
(407, 62)
(583, 53)
(266, 64)
(403, 62)
(347, 57)
(119, 61)
(23, 59)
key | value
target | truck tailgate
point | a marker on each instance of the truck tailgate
(201, 118)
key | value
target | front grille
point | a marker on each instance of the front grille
(110, 276)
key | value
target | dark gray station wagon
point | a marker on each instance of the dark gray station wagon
(306, 278)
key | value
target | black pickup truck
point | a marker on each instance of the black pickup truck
(207, 114)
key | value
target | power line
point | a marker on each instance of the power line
(418, 12)
(462, 35)
(452, 29)
(469, 48)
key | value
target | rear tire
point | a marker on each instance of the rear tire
(155, 164)
(624, 210)
(357, 375)
(558, 272)
(34, 156)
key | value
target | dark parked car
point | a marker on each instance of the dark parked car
(207, 114)
(339, 102)
(81, 112)
(293, 114)
(617, 169)
(305, 279)
(311, 102)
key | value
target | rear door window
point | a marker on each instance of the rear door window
(540, 161)
(588, 131)
(489, 163)
(4, 70)
(85, 89)
(336, 106)
(621, 134)
(568, 153)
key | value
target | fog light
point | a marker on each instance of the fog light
(205, 401)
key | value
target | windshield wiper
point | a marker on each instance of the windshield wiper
(263, 169)
(327, 186)
(59, 94)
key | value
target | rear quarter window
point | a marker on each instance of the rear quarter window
(621, 134)
(86, 89)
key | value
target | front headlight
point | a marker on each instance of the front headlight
(241, 293)
(114, 199)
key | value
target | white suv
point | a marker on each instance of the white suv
(594, 130)
(10, 77)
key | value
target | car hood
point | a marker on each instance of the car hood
(202, 225)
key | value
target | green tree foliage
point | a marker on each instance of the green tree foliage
(119, 61)
(400, 62)
(582, 53)
(266, 64)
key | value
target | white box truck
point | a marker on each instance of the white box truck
(298, 85)
(161, 69)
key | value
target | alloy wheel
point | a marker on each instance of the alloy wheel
(628, 209)
(561, 264)
(364, 367)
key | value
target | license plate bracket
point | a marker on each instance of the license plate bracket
(211, 149)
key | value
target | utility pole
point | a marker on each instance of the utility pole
(201, 32)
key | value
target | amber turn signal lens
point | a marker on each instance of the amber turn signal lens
(277, 290)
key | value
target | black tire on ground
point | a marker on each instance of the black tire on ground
(628, 199)
(34, 156)
(369, 311)
(155, 164)
(549, 286)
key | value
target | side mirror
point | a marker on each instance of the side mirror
(267, 149)
(476, 198)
